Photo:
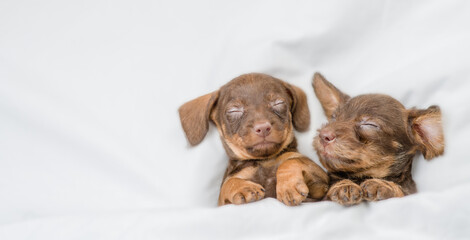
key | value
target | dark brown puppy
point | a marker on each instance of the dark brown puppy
(369, 143)
(255, 115)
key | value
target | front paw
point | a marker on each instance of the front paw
(345, 192)
(291, 191)
(378, 189)
(240, 191)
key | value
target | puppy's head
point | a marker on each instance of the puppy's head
(254, 114)
(369, 133)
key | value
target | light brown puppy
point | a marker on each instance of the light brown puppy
(255, 115)
(369, 143)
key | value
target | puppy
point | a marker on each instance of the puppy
(369, 143)
(255, 115)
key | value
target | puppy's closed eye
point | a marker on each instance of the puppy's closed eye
(234, 113)
(367, 125)
(366, 130)
(279, 107)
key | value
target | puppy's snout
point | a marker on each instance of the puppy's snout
(262, 129)
(327, 136)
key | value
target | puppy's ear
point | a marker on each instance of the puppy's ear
(426, 127)
(299, 108)
(329, 96)
(194, 116)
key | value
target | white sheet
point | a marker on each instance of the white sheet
(90, 142)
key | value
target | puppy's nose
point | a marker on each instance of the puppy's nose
(327, 136)
(262, 129)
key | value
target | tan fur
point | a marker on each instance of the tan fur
(298, 177)
(345, 192)
(379, 189)
(237, 189)
(289, 155)
(234, 145)
(291, 188)
(378, 170)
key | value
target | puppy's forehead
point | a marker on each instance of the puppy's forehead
(374, 105)
(253, 88)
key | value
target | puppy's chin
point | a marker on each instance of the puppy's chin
(335, 163)
(264, 149)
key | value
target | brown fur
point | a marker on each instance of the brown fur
(369, 143)
(255, 115)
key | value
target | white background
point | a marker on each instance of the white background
(90, 141)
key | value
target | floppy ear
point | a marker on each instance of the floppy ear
(426, 127)
(299, 108)
(329, 96)
(194, 116)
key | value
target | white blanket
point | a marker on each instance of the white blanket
(91, 145)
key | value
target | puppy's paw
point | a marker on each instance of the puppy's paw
(291, 191)
(378, 189)
(345, 192)
(240, 191)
